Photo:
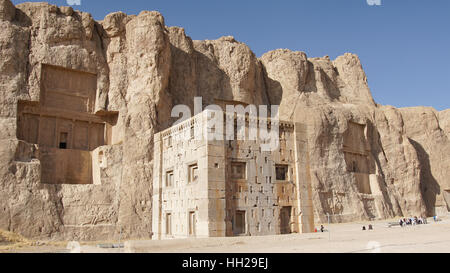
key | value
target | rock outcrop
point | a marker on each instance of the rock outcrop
(366, 161)
(444, 121)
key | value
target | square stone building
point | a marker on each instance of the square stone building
(214, 188)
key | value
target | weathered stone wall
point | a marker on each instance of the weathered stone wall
(143, 68)
(260, 192)
(180, 184)
(239, 188)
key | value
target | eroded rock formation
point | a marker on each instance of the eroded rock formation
(366, 160)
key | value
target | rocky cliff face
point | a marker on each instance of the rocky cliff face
(444, 120)
(366, 160)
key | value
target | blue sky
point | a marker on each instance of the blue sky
(404, 45)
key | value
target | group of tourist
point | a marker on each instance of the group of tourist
(370, 227)
(413, 221)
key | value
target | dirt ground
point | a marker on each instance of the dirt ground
(341, 238)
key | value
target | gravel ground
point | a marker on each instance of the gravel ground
(341, 238)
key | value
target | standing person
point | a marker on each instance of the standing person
(322, 228)
(401, 222)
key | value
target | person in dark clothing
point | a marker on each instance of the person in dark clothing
(364, 228)
(322, 228)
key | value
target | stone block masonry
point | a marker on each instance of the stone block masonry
(214, 188)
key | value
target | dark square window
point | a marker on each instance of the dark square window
(281, 172)
(238, 170)
(63, 140)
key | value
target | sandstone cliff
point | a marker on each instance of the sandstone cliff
(366, 160)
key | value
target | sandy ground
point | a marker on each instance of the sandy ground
(342, 238)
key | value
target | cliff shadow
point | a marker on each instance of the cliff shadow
(273, 88)
(212, 82)
(310, 85)
(182, 77)
(377, 150)
(330, 86)
(429, 187)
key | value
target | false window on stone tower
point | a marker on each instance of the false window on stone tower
(193, 173)
(192, 223)
(63, 140)
(168, 224)
(169, 179)
(354, 167)
(238, 170)
(281, 172)
(239, 222)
